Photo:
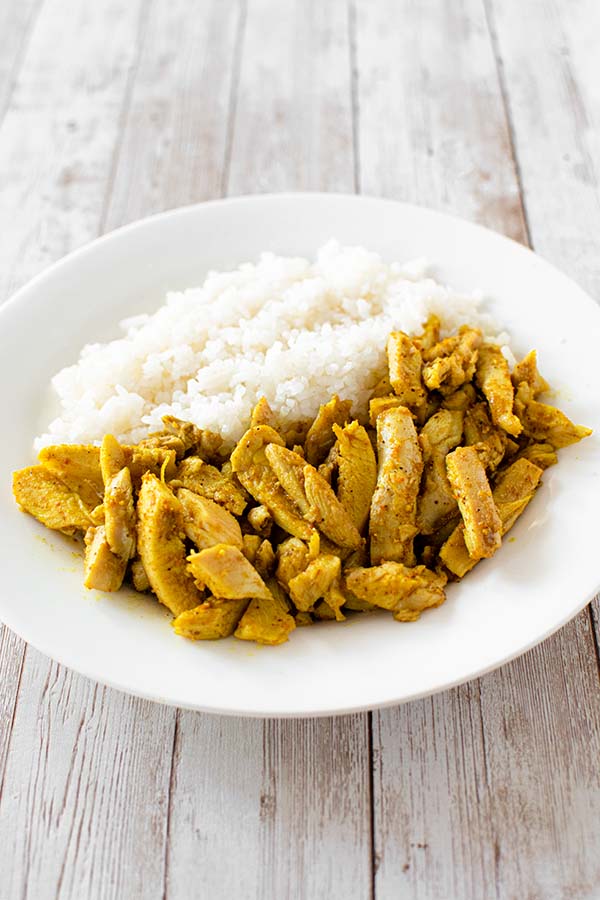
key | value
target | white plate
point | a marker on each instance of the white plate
(542, 576)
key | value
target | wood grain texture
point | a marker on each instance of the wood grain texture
(84, 799)
(270, 809)
(175, 134)
(59, 133)
(548, 54)
(431, 126)
(16, 23)
(465, 780)
(293, 123)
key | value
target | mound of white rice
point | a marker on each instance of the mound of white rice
(292, 330)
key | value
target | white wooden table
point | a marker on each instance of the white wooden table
(115, 109)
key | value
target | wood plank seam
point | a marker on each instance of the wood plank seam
(374, 857)
(20, 56)
(354, 75)
(144, 15)
(489, 20)
(167, 828)
(24, 649)
(63, 867)
(595, 623)
(238, 52)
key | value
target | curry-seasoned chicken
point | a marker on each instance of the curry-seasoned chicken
(288, 467)
(451, 362)
(250, 546)
(211, 620)
(320, 438)
(252, 467)
(527, 371)
(156, 460)
(262, 414)
(112, 458)
(393, 516)
(264, 560)
(406, 591)
(103, 569)
(313, 496)
(542, 455)
(430, 335)
(317, 520)
(42, 494)
(292, 558)
(377, 405)
(161, 547)
(180, 437)
(546, 423)
(473, 493)
(119, 515)
(139, 579)
(261, 520)
(326, 511)
(267, 619)
(227, 573)
(189, 434)
(493, 378)
(164, 440)
(405, 363)
(335, 598)
(294, 433)
(204, 479)
(77, 466)
(329, 467)
(315, 581)
(206, 523)
(462, 398)
(382, 387)
(513, 491)
(440, 434)
(516, 484)
(489, 441)
(357, 472)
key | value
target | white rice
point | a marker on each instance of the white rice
(292, 330)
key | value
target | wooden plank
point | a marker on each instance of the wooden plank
(12, 651)
(16, 24)
(293, 113)
(542, 734)
(58, 135)
(431, 126)
(548, 54)
(175, 136)
(434, 837)
(465, 780)
(84, 799)
(279, 808)
(269, 809)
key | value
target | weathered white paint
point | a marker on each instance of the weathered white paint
(293, 115)
(59, 134)
(549, 57)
